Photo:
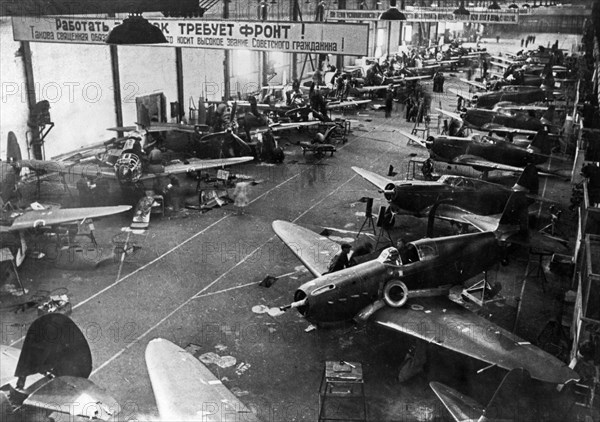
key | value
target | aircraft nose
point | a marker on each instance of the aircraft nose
(301, 301)
(429, 142)
(390, 192)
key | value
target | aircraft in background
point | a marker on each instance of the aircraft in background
(38, 216)
(468, 195)
(127, 163)
(508, 118)
(519, 94)
(485, 153)
(503, 406)
(404, 291)
(18, 227)
(393, 81)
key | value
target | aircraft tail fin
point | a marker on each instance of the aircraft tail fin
(13, 151)
(528, 181)
(503, 404)
(55, 344)
(515, 213)
(548, 116)
(542, 142)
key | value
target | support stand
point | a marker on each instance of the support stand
(369, 219)
(537, 270)
(385, 221)
(481, 293)
(383, 231)
(417, 130)
(16, 272)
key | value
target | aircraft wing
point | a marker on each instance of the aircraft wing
(197, 165)
(475, 84)
(520, 107)
(462, 408)
(332, 105)
(186, 390)
(371, 88)
(66, 167)
(84, 397)
(448, 212)
(491, 127)
(380, 182)
(469, 96)
(313, 250)
(293, 125)
(123, 128)
(53, 215)
(417, 78)
(414, 138)
(450, 114)
(178, 127)
(470, 160)
(447, 324)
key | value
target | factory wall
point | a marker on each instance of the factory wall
(77, 81)
(14, 109)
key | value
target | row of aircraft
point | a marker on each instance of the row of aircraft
(406, 292)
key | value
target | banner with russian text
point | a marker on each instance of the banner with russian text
(430, 15)
(291, 37)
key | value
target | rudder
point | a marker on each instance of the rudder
(515, 212)
(542, 142)
(528, 181)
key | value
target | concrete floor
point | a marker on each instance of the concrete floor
(194, 282)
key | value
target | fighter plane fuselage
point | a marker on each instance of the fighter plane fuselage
(473, 195)
(478, 117)
(513, 93)
(450, 149)
(426, 264)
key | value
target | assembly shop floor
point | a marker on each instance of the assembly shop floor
(195, 282)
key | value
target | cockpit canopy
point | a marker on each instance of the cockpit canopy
(457, 181)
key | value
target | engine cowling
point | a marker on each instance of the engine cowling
(395, 293)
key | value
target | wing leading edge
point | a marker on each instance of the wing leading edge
(313, 250)
(53, 215)
(440, 321)
(185, 390)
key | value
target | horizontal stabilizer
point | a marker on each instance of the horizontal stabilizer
(75, 396)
